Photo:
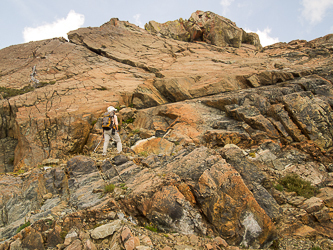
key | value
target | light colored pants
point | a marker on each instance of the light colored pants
(115, 137)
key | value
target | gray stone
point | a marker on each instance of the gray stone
(50, 161)
(81, 165)
(120, 159)
(105, 230)
(313, 204)
(16, 245)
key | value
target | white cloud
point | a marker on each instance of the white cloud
(137, 20)
(264, 37)
(59, 28)
(314, 11)
(225, 4)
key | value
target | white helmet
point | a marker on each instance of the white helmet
(110, 109)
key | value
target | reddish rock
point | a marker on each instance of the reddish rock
(33, 240)
(305, 231)
(154, 146)
(220, 242)
(204, 26)
(326, 194)
(222, 198)
(89, 245)
(54, 238)
(209, 247)
(186, 191)
(126, 234)
(145, 240)
(75, 245)
(312, 205)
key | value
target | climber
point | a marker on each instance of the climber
(110, 129)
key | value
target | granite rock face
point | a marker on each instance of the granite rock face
(209, 121)
(207, 27)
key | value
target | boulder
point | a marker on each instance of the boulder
(154, 146)
(34, 240)
(106, 230)
(326, 194)
(207, 27)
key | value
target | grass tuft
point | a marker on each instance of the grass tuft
(151, 228)
(109, 188)
(294, 183)
(129, 120)
(23, 226)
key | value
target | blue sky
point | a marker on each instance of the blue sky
(274, 20)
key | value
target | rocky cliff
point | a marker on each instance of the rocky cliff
(215, 129)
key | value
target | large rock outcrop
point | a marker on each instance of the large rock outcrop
(207, 27)
(208, 129)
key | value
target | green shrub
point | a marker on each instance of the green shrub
(252, 154)
(63, 234)
(279, 187)
(144, 153)
(102, 88)
(109, 188)
(151, 228)
(315, 248)
(293, 183)
(136, 131)
(43, 84)
(26, 224)
(129, 120)
(8, 92)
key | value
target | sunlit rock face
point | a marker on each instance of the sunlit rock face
(209, 121)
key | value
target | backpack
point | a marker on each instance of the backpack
(107, 120)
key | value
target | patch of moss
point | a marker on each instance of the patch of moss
(294, 183)
(26, 224)
(43, 84)
(109, 188)
(20, 171)
(63, 234)
(8, 92)
(252, 154)
(144, 153)
(129, 120)
(151, 228)
(279, 187)
(102, 88)
(136, 131)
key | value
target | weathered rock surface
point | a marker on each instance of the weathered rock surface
(210, 122)
(207, 27)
